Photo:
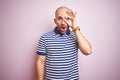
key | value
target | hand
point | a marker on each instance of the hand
(71, 19)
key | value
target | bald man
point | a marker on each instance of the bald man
(57, 53)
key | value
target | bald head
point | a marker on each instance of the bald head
(65, 9)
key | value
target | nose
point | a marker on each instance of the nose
(63, 22)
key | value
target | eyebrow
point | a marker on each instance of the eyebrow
(59, 17)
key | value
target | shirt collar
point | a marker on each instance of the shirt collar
(58, 32)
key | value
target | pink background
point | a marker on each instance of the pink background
(22, 22)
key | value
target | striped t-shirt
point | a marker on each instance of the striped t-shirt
(61, 53)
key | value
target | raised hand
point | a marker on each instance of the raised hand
(71, 19)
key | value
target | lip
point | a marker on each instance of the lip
(63, 28)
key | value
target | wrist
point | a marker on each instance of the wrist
(74, 29)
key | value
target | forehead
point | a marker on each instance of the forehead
(63, 12)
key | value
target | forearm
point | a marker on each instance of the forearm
(83, 44)
(40, 67)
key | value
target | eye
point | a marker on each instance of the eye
(67, 18)
(59, 18)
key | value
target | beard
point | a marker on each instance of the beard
(63, 28)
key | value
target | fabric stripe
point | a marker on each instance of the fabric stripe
(61, 55)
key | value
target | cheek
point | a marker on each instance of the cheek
(58, 22)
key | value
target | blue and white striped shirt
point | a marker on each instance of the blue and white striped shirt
(61, 53)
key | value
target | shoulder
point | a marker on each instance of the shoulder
(47, 35)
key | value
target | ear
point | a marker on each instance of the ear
(55, 20)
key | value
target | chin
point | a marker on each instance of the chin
(63, 32)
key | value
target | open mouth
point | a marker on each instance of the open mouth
(63, 27)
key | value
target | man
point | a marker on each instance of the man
(57, 57)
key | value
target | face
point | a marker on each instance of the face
(61, 20)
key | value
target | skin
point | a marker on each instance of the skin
(64, 18)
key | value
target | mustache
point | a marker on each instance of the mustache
(63, 25)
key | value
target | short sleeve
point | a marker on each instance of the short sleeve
(41, 46)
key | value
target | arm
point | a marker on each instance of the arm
(40, 66)
(83, 43)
